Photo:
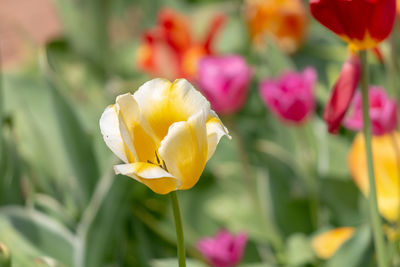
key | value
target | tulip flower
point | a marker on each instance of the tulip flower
(164, 133)
(383, 112)
(326, 244)
(291, 96)
(363, 24)
(386, 164)
(343, 93)
(223, 250)
(225, 82)
(284, 21)
(169, 49)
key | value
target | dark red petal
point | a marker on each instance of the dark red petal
(382, 19)
(343, 92)
(326, 12)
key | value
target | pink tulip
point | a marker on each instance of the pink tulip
(224, 81)
(223, 250)
(291, 96)
(383, 112)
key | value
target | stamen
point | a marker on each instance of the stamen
(164, 166)
(158, 160)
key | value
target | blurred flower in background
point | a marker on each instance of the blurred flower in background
(360, 32)
(284, 21)
(398, 7)
(170, 50)
(223, 250)
(327, 243)
(342, 93)
(224, 80)
(165, 133)
(382, 111)
(25, 24)
(291, 96)
(386, 164)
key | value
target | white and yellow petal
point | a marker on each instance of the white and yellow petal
(109, 126)
(153, 176)
(135, 131)
(215, 131)
(164, 103)
(185, 149)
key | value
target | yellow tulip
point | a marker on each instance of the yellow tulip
(165, 133)
(326, 244)
(386, 171)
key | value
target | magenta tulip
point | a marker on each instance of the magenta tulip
(223, 250)
(291, 96)
(225, 82)
(383, 112)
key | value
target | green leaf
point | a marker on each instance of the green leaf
(299, 250)
(111, 198)
(77, 143)
(29, 235)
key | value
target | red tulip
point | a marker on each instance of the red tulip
(343, 93)
(361, 23)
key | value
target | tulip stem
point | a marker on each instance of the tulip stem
(397, 153)
(179, 230)
(372, 198)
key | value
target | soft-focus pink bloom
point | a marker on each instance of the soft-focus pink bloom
(383, 112)
(224, 81)
(291, 96)
(223, 250)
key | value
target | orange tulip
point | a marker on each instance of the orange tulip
(282, 20)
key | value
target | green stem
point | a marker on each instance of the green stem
(179, 230)
(372, 198)
(307, 158)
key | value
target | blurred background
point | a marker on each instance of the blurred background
(64, 61)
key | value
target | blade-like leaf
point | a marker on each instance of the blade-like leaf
(30, 234)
